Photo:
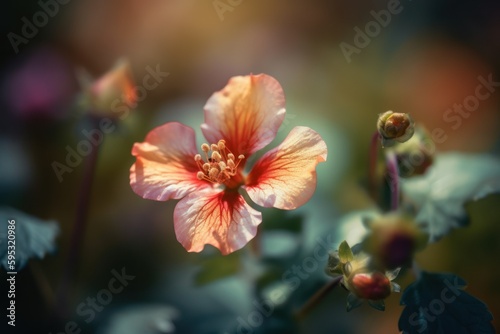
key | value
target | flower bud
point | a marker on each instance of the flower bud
(116, 85)
(415, 155)
(370, 285)
(359, 278)
(394, 128)
(393, 240)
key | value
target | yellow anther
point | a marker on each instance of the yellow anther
(216, 156)
(217, 165)
(214, 172)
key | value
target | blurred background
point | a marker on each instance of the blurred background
(427, 57)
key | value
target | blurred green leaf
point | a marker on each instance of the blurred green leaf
(440, 195)
(217, 267)
(345, 252)
(33, 237)
(281, 220)
(437, 303)
(484, 211)
(270, 276)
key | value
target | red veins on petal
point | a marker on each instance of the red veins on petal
(246, 113)
(219, 218)
(239, 120)
(165, 167)
(285, 177)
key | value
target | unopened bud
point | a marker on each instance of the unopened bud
(115, 85)
(393, 240)
(394, 128)
(370, 285)
(416, 155)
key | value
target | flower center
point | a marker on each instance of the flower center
(219, 164)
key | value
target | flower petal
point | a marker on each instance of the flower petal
(285, 177)
(165, 167)
(246, 113)
(219, 218)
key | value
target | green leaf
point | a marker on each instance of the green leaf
(281, 220)
(333, 267)
(353, 302)
(439, 196)
(345, 252)
(377, 304)
(217, 267)
(437, 303)
(33, 237)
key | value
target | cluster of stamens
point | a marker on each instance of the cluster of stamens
(219, 164)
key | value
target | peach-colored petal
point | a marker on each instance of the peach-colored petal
(219, 218)
(165, 167)
(246, 113)
(285, 177)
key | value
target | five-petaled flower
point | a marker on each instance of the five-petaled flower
(240, 119)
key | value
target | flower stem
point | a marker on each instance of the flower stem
(42, 283)
(317, 297)
(372, 171)
(393, 173)
(78, 234)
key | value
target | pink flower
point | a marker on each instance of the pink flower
(240, 119)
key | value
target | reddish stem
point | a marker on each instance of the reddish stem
(317, 297)
(393, 171)
(78, 234)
